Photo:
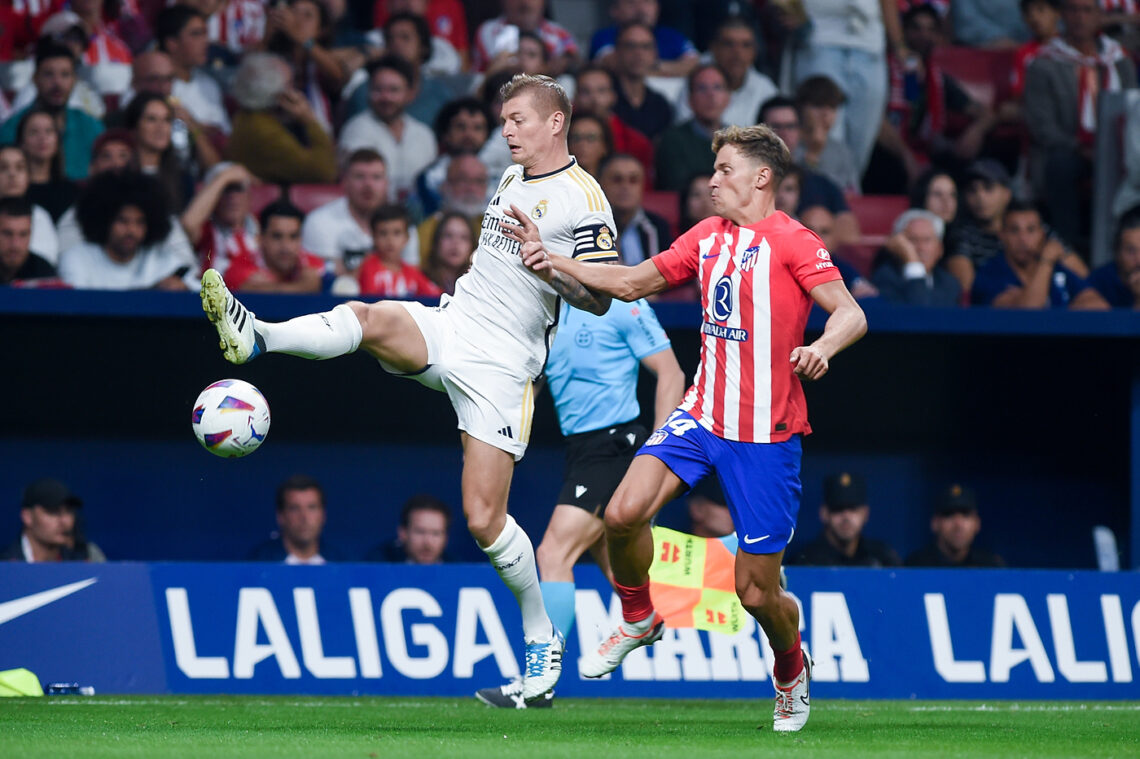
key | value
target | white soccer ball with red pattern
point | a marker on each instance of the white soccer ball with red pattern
(231, 418)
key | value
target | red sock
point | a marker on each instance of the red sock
(788, 663)
(636, 604)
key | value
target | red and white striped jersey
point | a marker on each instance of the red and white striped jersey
(238, 25)
(755, 283)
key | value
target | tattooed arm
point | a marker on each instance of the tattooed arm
(567, 286)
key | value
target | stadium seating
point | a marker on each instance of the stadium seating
(876, 214)
(261, 195)
(665, 204)
(310, 196)
(984, 74)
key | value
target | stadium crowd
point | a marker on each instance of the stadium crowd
(349, 146)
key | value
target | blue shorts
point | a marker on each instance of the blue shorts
(761, 481)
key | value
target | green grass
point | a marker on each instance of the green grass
(434, 728)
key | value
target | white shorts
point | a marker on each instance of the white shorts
(493, 403)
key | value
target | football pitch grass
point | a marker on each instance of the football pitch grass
(216, 727)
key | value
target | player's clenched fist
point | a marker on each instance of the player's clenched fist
(809, 362)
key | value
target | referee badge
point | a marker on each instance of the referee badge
(539, 210)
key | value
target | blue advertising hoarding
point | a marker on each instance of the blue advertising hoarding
(449, 630)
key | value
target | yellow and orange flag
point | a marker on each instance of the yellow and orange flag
(692, 582)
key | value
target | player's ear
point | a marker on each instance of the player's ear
(558, 121)
(764, 177)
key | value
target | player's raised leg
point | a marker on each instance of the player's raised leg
(486, 484)
(758, 586)
(648, 485)
(384, 329)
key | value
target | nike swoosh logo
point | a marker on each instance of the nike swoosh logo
(711, 255)
(750, 541)
(18, 607)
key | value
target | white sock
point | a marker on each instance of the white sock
(328, 335)
(512, 556)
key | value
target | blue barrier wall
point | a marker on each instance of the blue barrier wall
(449, 630)
(1038, 411)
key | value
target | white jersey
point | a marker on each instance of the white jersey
(503, 307)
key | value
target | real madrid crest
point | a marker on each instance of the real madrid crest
(605, 240)
(540, 210)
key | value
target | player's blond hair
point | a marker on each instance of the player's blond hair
(759, 143)
(548, 94)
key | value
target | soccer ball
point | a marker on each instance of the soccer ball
(231, 418)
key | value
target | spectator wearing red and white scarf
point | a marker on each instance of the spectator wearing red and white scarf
(1061, 90)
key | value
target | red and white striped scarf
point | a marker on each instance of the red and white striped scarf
(1095, 74)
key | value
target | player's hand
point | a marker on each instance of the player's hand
(524, 230)
(809, 362)
(535, 258)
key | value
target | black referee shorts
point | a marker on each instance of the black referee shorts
(595, 463)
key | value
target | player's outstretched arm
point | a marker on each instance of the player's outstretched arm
(570, 289)
(626, 283)
(846, 324)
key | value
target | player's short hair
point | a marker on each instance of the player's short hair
(759, 143)
(424, 502)
(395, 63)
(298, 482)
(282, 208)
(108, 193)
(1054, 4)
(16, 206)
(171, 21)
(1129, 221)
(390, 212)
(547, 93)
(916, 214)
(363, 155)
(820, 91)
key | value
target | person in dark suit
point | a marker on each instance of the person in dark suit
(910, 271)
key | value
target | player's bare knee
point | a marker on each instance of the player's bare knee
(622, 521)
(375, 323)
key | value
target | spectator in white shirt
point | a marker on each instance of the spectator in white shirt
(408, 146)
(125, 223)
(734, 51)
(340, 231)
(14, 181)
(180, 32)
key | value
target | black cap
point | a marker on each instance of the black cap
(50, 494)
(845, 490)
(956, 499)
(989, 170)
